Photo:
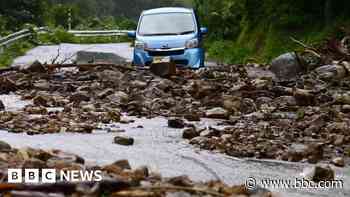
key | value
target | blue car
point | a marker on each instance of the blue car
(167, 35)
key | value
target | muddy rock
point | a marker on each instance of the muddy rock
(192, 117)
(176, 123)
(218, 113)
(319, 173)
(329, 72)
(4, 146)
(286, 67)
(338, 161)
(103, 94)
(2, 106)
(80, 96)
(119, 97)
(190, 133)
(125, 141)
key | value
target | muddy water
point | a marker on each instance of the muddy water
(164, 151)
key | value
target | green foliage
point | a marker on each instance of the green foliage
(14, 51)
(262, 29)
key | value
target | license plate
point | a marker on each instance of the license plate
(161, 59)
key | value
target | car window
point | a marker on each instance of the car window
(167, 24)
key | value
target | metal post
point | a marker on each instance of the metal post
(70, 19)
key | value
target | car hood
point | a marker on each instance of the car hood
(157, 42)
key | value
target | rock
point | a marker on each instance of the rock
(312, 152)
(7, 85)
(190, 133)
(286, 67)
(79, 97)
(248, 106)
(192, 117)
(2, 106)
(36, 66)
(338, 161)
(41, 101)
(119, 97)
(94, 57)
(103, 94)
(319, 173)
(231, 103)
(217, 113)
(339, 140)
(42, 85)
(329, 72)
(123, 164)
(176, 123)
(342, 98)
(139, 84)
(163, 69)
(125, 141)
(4, 146)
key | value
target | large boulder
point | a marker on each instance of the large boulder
(286, 67)
(91, 57)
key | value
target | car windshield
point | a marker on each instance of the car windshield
(167, 24)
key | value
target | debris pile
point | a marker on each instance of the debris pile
(118, 178)
(298, 109)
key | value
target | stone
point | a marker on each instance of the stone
(123, 164)
(217, 113)
(231, 103)
(286, 67)
(2, 106)
(163, 69)
(42, 85)
(190, 133)
(119, 97)
(94, 57)
(103, 94)
(329, 72)
(248, 106)
(192, 117)
(80, 96)
(338, 161)
(176, 123)
(41, 101)
(36, 66)
(125, 141)
(319, 173)
(4, 146)
(139, 84)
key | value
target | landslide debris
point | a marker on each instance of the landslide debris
(270, 113)
(118, 178)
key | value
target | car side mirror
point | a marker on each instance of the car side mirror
(132, 34)
(204, 30)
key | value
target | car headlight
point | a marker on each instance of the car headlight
(140, 45)
(190, 44)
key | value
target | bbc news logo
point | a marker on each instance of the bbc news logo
(52, 176)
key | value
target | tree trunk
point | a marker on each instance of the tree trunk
(328, 12)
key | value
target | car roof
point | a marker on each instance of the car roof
(167, 10)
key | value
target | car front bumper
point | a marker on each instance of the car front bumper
(192, 58)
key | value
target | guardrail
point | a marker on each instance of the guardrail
(10, 39)
(97, 33)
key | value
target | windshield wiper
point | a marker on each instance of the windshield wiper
(185, 32)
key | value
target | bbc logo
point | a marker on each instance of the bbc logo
(51, 176)
(31, 175)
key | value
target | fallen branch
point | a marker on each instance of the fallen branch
(308, 48)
